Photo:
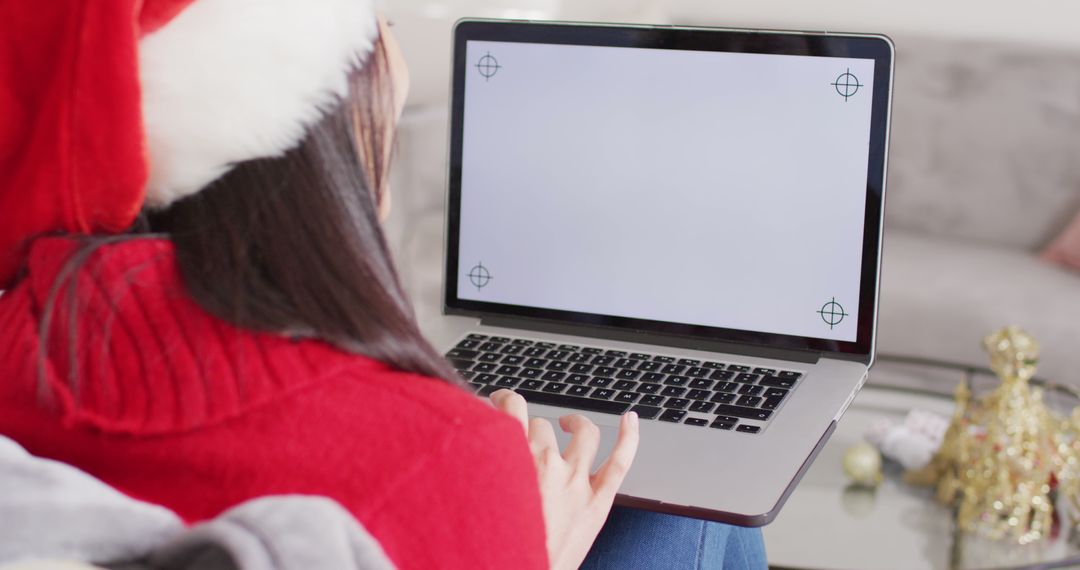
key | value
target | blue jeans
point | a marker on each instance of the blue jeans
(633, 538)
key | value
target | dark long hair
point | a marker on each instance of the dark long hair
(293, 244)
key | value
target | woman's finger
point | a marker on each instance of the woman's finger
(610, 476)
(584, 443)
(542, 436)
(512, 403)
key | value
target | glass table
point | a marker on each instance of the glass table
(828, 524)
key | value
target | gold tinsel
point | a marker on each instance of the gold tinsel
(1004, 454)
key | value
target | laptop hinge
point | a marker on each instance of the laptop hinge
(646, 337)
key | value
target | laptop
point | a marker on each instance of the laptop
(684, 222)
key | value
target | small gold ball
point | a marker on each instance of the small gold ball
(862, 462)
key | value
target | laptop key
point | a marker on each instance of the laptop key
(698, 371)
(673, 369)
(555, 387)
(522, 342)
(664, 359)
(536, 362)
(673, 391)
(572, 347)
(625, 363)
(674, 416)
(557, 365)
(646, 412)
(602, 394)
(677, 403)
(499, 339)
(578, 357)
(704, 407)
(772, 403)
(534, 351)
(553, 375)
(617, 353)
(490, 346)
(460, 364)
(738, 368)
(747, 378)
(714, 365)
(579, 390)
(747, 428)
(722, 398)
(467, 374)
(696, 422)
(652, 377)
(484, 367)
(489, 357)
(721, 424)
(582, 368)
(722, 375)
(606, 371)
(771, 371)
(513, 360)
(742, 412)
(689, 362)
(531, 384)
(698, 394)
(776, 393)
(512, 349)
(748, 401)
(462, 354)
(530, 373)
(726, 387)
(508, 382)
(628, 374)
(576, 379)
(507, 369)
(600, 382)
(777, 382)
(701, 383)
(602, 360)
(485, 378)
(640, 356)
(629, 397)
(566, 401)
(677, 380)
(624, 385)
(649, 366)
(546, 344)
(751, 389)
(477, 336)
(468, 344)
(591, 350)
(652, 400)
(558, 354)
(789, 375)
(648, 388)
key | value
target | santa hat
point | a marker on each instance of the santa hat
(107, 107)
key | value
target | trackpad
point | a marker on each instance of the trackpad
(608, 435)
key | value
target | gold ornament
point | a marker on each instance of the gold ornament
(862, 462)
(1004, 454)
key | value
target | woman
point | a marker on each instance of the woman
(219, 319)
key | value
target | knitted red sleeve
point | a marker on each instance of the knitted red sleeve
(474, 505)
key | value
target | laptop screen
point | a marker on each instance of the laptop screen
(720, 190)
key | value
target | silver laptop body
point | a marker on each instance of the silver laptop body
(713, 195)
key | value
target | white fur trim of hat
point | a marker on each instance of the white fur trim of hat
(232, 80)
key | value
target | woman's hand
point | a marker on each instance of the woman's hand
(576, 501)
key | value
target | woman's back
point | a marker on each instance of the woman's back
(174, 406)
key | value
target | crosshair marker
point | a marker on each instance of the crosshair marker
(847, 85)
(832, 313)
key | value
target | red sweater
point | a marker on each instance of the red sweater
(179, 408)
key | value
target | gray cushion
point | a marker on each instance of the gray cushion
(940, 297)
(985, 141)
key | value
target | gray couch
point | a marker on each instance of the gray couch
(984, 170)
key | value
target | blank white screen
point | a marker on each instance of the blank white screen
(705, 188)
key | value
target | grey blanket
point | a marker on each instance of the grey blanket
(49, 510)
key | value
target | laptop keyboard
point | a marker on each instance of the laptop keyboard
(694, 392)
